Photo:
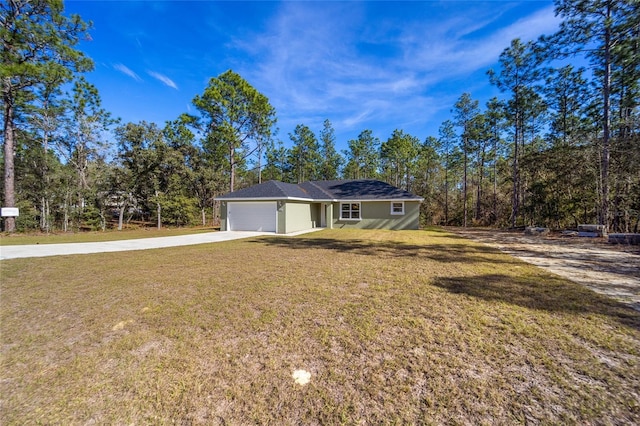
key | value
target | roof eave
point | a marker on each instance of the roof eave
(262, 199)
(317, 200)
(396, 200)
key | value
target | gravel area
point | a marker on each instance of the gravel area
(611, 269)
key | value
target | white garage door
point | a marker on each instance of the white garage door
(252, 216)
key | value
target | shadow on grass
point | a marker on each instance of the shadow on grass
(466, 253)
(552, 294)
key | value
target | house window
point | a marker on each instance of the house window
(350, 211)
(397, 207)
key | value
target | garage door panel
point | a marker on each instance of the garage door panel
(252, 216)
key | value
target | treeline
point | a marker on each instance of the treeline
(560, 147)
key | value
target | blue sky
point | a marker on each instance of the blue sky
(363, 65)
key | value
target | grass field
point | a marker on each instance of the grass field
(417, 327)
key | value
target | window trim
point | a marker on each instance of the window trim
(351, 218)
(400, 213)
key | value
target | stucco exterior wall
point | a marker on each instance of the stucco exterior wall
(295, 216)
(315, 214)
(298, 217)
(329, 216)
(282, 217)
(377, 215)
(223, 216)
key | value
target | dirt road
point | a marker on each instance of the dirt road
(605, 268)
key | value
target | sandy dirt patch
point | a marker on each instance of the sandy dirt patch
(611, 269)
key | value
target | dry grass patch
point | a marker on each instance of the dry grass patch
(394, 327)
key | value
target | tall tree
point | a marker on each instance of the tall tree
(182, 165)
(83, 141)
(567, 182)
(466, 111)
(363, 158)
(141, 147)
(238, 115)
(566, 94)
(44, 118)
(599, 28)
(37, 170)
(277, 167)
(304, 156)
(198, 177)
(47, 54)
(426, 176)
(494, 116)
(120, 191)
(534, 118)
(399, 154)
(518, 72)
(447, 136)
(482, 136)
(331, 159)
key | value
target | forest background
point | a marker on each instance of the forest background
(560, 146)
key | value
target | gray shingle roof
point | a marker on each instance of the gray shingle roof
(354, 189)
(271, 189)
(363, 189)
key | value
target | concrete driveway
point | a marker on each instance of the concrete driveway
(43, 250)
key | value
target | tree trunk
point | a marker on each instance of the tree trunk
(446, 193)
(65, 220)
(103, 220)
(464, 186)
(495, 196)
(479, 199)
(606, 94)
(158, 212)
(515, 196)
(495, 183)
(232, 164)
(43, 220)
(215, 212)
(9, 157)
(260, 164)
(121, 215)
(48, 215)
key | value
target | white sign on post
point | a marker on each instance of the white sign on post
(9, 212)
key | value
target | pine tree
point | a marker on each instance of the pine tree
(26, 63)
(599, 29)
(518, 72)
(331, 159)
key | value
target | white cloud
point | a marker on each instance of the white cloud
(533, 26)
(328, 60)
(448, 49)
(163, 78)
(127, 71)
(527, 29)
(355, 121)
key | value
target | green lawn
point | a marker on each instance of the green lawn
(410, 327)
